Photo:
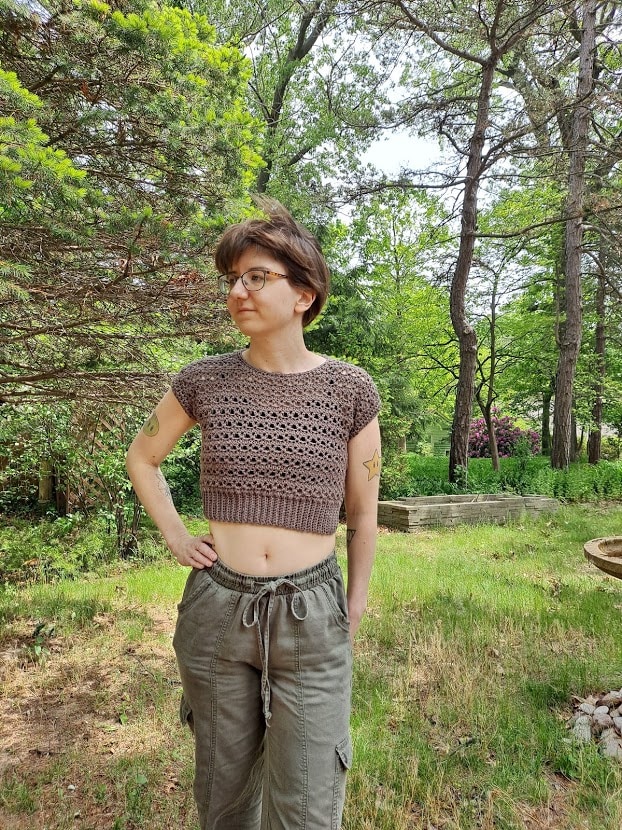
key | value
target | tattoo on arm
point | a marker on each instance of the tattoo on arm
(349, 535)
(163, 487)
(151, 426)
(373, 466)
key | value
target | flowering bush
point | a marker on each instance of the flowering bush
(509, 437)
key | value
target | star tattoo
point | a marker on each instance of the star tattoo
(373, 466)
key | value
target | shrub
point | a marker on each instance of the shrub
(55, 548)
(182, 470)
(523, 474)
(508, 436)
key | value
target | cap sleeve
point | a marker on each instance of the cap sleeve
(184, 389)
(367, 405)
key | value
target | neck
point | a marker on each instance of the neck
(286, 358)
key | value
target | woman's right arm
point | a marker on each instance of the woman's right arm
(160, 432)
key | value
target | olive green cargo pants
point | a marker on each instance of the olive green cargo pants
(266, 668)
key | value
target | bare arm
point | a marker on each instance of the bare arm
(160, 432)
(362, 482)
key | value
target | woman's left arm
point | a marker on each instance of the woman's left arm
(362, 480)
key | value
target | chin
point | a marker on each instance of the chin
(244, 325)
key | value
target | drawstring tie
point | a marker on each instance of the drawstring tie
(261, 606)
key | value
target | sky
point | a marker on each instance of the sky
(399, 149)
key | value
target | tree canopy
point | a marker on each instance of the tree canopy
(125, 146)
(132, 132)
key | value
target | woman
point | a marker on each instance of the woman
(263, 636)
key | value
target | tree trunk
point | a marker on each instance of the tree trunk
(467, 338)
(492, 438)
(576, 443)
(547, 397)
(595, 438)
(46, 485)
(570, 330)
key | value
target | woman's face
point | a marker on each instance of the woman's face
(276, 307)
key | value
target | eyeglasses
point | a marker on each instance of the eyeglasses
(253, 280)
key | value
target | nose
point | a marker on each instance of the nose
(238, 288)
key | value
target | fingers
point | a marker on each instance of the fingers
(205, 551)
(196, 552)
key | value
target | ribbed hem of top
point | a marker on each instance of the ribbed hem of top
(292, 512)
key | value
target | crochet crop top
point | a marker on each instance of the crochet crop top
(274, 446)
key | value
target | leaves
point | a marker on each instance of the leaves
(115, 178)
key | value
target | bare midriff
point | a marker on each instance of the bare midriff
(268, 551)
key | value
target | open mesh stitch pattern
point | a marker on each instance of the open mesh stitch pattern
(274, 446)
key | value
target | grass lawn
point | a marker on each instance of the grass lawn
(477, 643)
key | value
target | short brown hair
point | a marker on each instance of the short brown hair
(286, 240)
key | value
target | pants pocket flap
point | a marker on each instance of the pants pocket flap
(185, 714)
(344, 751)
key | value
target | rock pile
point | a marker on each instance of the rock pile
(599, 718)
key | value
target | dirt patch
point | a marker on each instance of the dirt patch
(89, 731)
(554, 815)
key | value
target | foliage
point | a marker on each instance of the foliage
(385, 310)
(182, 469)
(29, 435)
(65, 547)
(315, 91)
(125, 146)
(612, 448)
(127, 141)
(82, 452)
(507, 433)
(582, 482)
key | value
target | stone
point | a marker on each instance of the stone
(582, 729)
(587, 708)
(611, 699)
(611, 744)
(602, 721)
(598, 719)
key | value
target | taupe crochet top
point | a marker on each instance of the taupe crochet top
(274, 446)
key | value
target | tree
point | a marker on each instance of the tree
(386, 310)
(471, 43)
(553, 77)
(315, 91)
(125, 146)
(570, 331)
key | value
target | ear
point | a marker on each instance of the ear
(305, 300)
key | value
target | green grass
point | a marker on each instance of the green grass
(475, 642)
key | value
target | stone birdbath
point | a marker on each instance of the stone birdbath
(599, 717)
(606, 554)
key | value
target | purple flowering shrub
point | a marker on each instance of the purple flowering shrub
(509, 437)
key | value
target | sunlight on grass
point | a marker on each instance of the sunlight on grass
(476, 639)
(475, 642)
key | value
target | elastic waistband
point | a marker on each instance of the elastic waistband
(297, 581)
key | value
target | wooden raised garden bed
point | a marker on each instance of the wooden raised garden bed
(410, 514)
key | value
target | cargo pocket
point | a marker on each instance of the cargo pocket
(343, 762)
(185, 714)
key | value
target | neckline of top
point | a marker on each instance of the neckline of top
(239, 355)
